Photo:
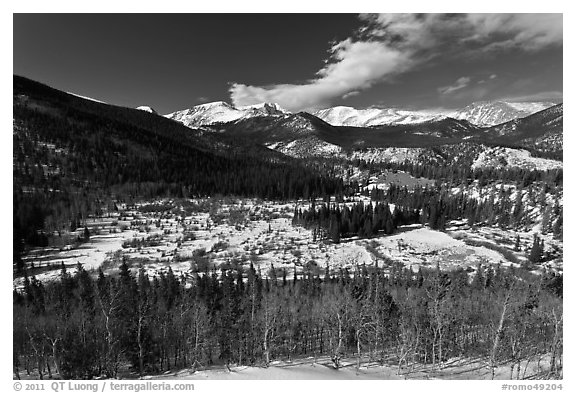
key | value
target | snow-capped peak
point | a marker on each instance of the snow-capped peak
(215, 104)
(264, 106)
(483, 114)
(222, 112)
(146, 108)
(491, 113)
(347, 116)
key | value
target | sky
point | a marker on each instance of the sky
(300, 61)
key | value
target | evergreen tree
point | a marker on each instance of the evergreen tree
(535, 256)
(557, 228)
(517, 243)
(334, 229)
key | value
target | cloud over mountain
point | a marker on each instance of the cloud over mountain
(390, 44)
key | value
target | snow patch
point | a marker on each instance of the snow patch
(146, 108)
(504, 157)
(347, 116)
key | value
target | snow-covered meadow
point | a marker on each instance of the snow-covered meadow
(200, 234)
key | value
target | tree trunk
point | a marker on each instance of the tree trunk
(140, 347)
(499, 333)
(358, 349)
(48, 368)
(40, 368)
(555, 343)
(55, 357)
(440, 348)
(336, 356)
(15, 367)
(266, 349)
(434, 351)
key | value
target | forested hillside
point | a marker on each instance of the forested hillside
(74, 157)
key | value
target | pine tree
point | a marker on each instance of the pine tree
(546, 218)
(535, 256)
(295, 220)
(479, 281)
(126, 311)
(388, 221)
(334, 229)
(368, 226)
(557, 228)
(273, 275)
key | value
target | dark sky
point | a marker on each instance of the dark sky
(301, 61)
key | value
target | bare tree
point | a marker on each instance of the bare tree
(269, 318)
(556, 345)
(499, 335)
(110, 306)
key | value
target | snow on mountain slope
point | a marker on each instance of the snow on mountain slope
(347, 116)
(222, 112)
(504, 157)
(486, 114)
(482, 114)
(391, 154)
(265, 108)
(540, 124)
(146, 108)
(310, 146)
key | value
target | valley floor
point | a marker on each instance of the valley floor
(243, 231)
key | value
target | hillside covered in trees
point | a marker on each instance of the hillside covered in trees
(74, 157)
(83, 327)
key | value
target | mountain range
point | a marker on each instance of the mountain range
(296, 134)
(347, 116)
(481, 114)
(222, 112)
(266, 131)
(491, 113)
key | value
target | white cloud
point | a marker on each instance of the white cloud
(389, 44)
(459, 84)
(524, 31)
(356, 66)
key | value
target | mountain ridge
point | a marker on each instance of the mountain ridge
(491, 113)
(349, 116)
(222, 112)
(481, 114)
